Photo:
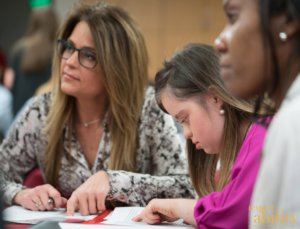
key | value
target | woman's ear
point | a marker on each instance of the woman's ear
(284, 24)
(292, 27)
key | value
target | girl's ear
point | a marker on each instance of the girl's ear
(213, 93)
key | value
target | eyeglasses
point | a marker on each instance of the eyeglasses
(86, 57)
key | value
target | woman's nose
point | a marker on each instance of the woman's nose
(220, 43)
(73, 59)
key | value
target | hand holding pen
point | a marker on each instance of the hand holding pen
(41, 198)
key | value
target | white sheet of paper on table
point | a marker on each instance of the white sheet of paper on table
(18, 214)
(123, 216)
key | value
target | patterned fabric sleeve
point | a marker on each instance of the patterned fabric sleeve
(162, 166)
(18, 151)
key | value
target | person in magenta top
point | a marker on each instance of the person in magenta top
(229, 208)
(223, 138)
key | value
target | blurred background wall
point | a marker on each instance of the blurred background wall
(167, 24)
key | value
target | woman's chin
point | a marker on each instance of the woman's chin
(67, 90)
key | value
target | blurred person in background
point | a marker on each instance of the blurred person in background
(5, 100)
(269, 32)
(31, 56)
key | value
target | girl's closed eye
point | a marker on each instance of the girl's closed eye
(183, 121)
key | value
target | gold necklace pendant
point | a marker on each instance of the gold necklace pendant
(104, 125)
(87, 124)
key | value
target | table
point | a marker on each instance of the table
(16, 226)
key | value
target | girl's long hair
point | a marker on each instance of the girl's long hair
(194, 72)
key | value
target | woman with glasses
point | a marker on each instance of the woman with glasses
(99, 136)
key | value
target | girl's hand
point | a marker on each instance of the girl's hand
(159, 210)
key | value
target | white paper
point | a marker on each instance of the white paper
(89, 226)
(18, 214)
(123, 216)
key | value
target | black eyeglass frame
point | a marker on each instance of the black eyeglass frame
(61, 47)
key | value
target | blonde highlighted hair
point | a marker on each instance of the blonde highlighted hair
(123, 60)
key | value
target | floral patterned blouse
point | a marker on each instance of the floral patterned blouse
(161, 163)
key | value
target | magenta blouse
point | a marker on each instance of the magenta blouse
(230, 207)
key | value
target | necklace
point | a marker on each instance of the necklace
(87, 124)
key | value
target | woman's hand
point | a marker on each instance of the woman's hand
(37, 199)
(90, 197)
(159, 210)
